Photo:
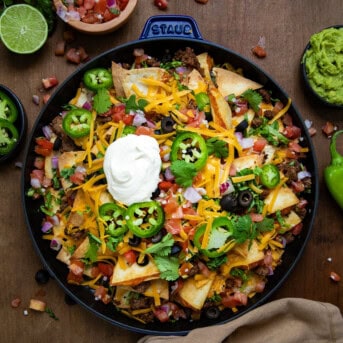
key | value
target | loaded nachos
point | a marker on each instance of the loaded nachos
(171, 187)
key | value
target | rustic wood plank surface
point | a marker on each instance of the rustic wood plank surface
(286, 26)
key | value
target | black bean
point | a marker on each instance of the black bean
(42, 276)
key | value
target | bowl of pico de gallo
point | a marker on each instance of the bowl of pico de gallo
(95, 17)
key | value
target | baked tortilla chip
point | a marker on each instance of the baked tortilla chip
(196, 82)
(134, 274)
(206, 64)
(248, 161)
(118, 76)
(191, 295)
(229, 82)
(284, 198)
(221, 111)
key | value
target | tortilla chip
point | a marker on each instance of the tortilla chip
(82, 249)
(229, 82)
(159, 286)
(292, 219)
(242, 256)
(191, 295)
(196, 82)
(285, 198)
(135, 76)
(64, 255)
(221, 111)
(248, 161)
(134, 274)
(118, 76)
(206, 64)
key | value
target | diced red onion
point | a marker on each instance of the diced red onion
(139, 119)
(181, 70)
(169, 175)
(55, 244)
(47, 131)
(192, 195)
(308, 123)
(239, 136)
(80, 169)
(247, 142)
(270, 270)
(72, 15)
(55, 220)
(111, 3)
(87, 106)
(35, 183)
(47, 226)
(54, 162)
(226, 188)
(18, 164)
(165, 308)
(35, 99)
(151, 124)
(303, 174)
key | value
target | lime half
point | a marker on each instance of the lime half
(23, 29)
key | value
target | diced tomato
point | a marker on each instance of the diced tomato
(241, 107)
(130, 257)
(143, 130)
(294, 146)
(42, 151)
(259, 144)
(161, 315)
(161, 4)
(89, 4)
(278, 107)
(90, 18)
(165, 185)
(72, 278)
(297, 186)
(100, 6)
(292, 132)
(44, 143)
(287, 119)
(82, 11)
(259, 51)
(256, 217)
(49, 82)
(78, 2)
(77, 267)
(118, 112)
(73, 56)
(122, 4)
(46, 97)
(198, 119)
(203, 269)
(77, 178)
(297, 229)
(106, 269)
(37, 174)
(108, 15)
(233, 300)
(173, 226)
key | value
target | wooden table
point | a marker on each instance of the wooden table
(286, 26)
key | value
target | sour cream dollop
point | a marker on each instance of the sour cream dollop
(132, 166)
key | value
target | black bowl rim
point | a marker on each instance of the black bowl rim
(305, 78)
(20, 123)
(267, 295)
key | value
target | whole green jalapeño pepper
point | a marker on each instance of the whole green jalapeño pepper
(77, 123)
(220, 239)
(191, 148)
(145, 219)
(97, 78)
(333, 174)
(8, 110)
(114, 216)
(8, 136)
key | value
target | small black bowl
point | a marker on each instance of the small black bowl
(306, 81)
(20, 123)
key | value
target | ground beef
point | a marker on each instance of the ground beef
(256, 122)
(194, 270)
(188, 57)
(291, 170)
(68, 144)
(146, 317)
(265, 95)
(268, 114)
(300, 211)
(56, 126)
(140, 303)
(262, 270)
(142, 287)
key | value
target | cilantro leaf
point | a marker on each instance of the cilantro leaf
(267, 224)
(92, 252)
(102, 102)
(170, 65)
(133, 105)
(214, 263)
(168, 267)
(163, 248)
(217, 147)
(184, 172)
(237, 272)
(244, 229)
(254, 99)
(51, 313)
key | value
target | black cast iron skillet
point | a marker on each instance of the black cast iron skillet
(160, 33)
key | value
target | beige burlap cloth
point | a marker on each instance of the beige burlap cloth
(289, 320)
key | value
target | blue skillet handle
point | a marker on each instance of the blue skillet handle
(175, 26)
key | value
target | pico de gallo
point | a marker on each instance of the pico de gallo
(230, 197)
(91, 11)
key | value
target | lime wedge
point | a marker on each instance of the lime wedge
(23, 29)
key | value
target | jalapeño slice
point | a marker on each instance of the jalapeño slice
(8, 110)
(145, 219)
(77, 123)
(8, 136)
(270, 176)
(191, 148)
(97, 78)
(220, 239)
(114, 216)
